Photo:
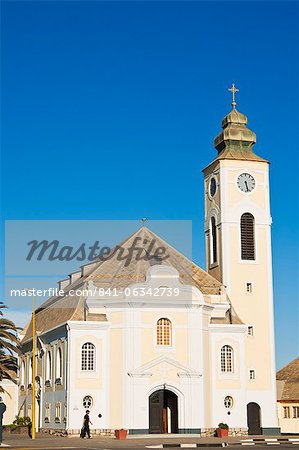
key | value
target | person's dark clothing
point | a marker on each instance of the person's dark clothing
(86, 429)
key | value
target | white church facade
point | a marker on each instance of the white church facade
(178, 349)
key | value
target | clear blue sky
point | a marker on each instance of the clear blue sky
(110, 111)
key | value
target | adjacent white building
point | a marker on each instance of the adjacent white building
(177, 348)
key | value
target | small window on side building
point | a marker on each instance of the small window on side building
(286, 412)
(295, 412)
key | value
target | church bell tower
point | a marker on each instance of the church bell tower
(238, 250)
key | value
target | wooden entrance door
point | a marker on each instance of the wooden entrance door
(254, 418)
(156, 403)
(163, 412)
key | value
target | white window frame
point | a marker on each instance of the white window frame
(87, 358)
(49, 366)
(163, 328)
(224, 354)
(59, 364)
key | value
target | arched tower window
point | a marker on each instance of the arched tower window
(88, 357)
(48, 366)
(58, 363)
(227, 359)
(213, 241)
(164, 332)
(247, 237)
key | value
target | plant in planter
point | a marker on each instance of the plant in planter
(121, 434)
(21, 425)
(222, 430)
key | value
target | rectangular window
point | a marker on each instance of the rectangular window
(249, 288)
(250, 330)
(295, 412)
(286, 412)
(251, 374)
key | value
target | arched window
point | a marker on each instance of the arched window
(88, 356)
(30, 371)
(163, 332)
(58, 363)
(23, 373)
(247, 237)
(213, 241)
(227, 359)
(48, 366)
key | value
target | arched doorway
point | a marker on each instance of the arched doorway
(163, 412)
(254, 418)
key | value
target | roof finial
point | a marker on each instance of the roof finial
(233, 90)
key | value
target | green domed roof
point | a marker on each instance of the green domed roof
(234, 130)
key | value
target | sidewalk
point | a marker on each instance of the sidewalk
(44, 441)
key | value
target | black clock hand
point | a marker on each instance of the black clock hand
(246, 186)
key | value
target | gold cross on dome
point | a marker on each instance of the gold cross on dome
(233, 90)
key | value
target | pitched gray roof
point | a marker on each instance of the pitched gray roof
(115, 273)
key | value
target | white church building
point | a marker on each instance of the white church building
(177, 349)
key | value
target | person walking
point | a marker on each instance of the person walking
(85, 427)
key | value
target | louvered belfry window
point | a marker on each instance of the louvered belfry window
(213, 241)
(247, 237)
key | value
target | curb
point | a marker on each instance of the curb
(192, 445)
(256, 441)
(270, 441)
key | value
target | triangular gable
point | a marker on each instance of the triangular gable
(146, 369)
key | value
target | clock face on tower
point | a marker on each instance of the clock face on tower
(246, 182)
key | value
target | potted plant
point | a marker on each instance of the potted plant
(222, 430)
(121, 434)
(21, 425)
